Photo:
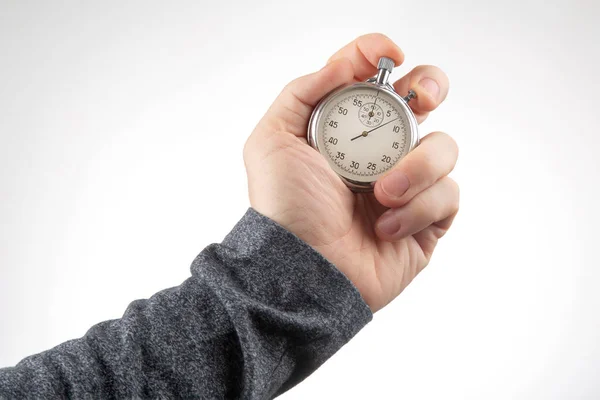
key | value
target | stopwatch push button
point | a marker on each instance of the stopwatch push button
(385, 67)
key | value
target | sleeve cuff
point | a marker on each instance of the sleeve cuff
(257, 236)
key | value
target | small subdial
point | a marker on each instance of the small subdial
(370, 115)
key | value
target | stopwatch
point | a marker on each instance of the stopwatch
(364, 129)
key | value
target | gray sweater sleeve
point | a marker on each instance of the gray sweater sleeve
(261, 311)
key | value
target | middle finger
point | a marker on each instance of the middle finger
(433, 159)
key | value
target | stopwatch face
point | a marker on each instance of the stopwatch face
(363, 131)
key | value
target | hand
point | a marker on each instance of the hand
(380, 240)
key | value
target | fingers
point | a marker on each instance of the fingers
(432, 160)
(431, 85)
(309, 89)
(365, 51)
(437, 203)
(428, 237)
(356, 61)
(296, 101)
(429, 82)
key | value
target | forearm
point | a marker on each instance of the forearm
(261, 311)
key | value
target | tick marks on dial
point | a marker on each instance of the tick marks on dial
(337, 126)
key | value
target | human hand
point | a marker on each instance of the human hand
(379, 240)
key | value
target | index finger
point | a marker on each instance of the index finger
(364, 53)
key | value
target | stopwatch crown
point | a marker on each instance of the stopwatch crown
(386, 63)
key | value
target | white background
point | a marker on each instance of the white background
(121, 135)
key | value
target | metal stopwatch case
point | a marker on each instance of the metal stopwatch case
(364, 129)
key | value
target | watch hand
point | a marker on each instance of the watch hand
(382, 125)
(362, 134)
(365, 133)
(372, 108)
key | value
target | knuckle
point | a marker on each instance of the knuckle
(448, 141)
(445, 148)
(374, 35)
(421, 169)
(288, 89)
(454, 194)
(451, 144)
(291, 87)
(422, 210)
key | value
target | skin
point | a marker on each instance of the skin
(291, 183)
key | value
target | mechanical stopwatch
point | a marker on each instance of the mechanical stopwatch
(364, 129)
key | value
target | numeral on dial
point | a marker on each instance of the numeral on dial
(333, 140)
(354, 164)
(396, 128)
(395, 145)
(371, 166)
(340, 155)
(386, 159)
(342, 111)
(333, 124)
(357, 103)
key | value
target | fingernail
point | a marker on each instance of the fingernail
(395, 184)
(389, 224)
(430, 87)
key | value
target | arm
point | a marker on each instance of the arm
(261, 311)
(267, 306)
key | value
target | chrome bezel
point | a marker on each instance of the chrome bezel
(370, 84)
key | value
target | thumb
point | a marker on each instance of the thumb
(297, 100)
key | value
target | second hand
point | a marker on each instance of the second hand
(365, 133)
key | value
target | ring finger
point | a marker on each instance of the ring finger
(430, 206)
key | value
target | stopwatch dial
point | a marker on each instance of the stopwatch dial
(363, 133)
(370, 115)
